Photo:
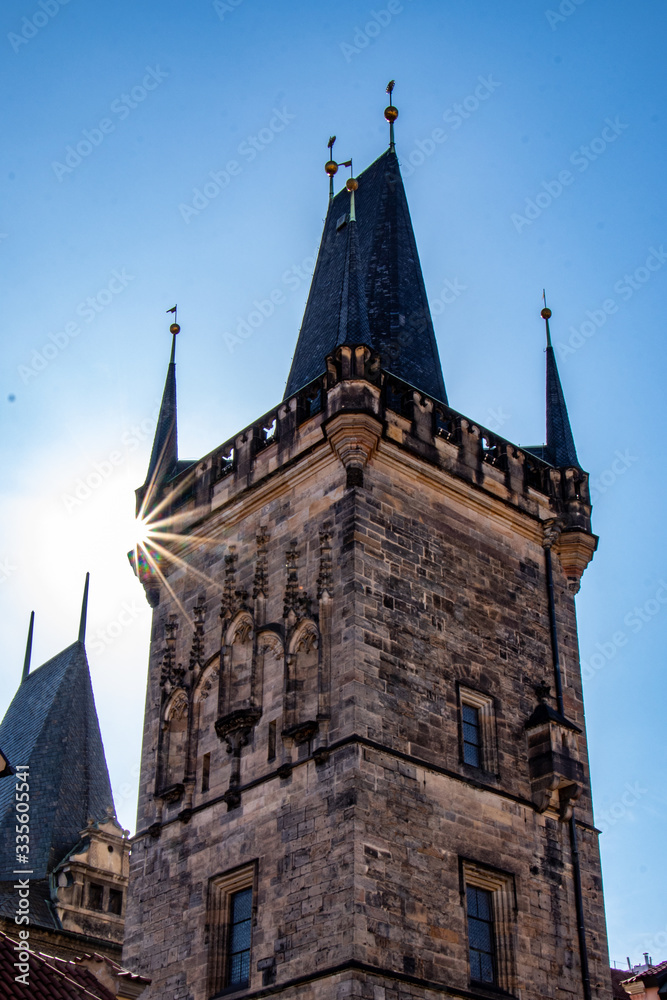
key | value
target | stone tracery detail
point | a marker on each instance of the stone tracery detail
(172, 674)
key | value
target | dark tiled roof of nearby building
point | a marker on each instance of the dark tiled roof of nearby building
(42, 913)
(560, 450)
(399, 318)
(49, 978)
(51, 726)
(617, 977)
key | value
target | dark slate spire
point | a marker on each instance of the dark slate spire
(51, 726)
(353, 325)
(84, 610)
(400, 325)
(560, 443)
(28, 647)
(164, 455)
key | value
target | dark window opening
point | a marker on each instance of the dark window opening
(480, 935)
(95, 895)
(272, 740)
(472, 735)
(206, 772)
(116, 901)
(238, 951)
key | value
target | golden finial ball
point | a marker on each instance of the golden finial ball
(352, 184)
(391, 113)
(331, 167)
(174, 328)
(546, 313)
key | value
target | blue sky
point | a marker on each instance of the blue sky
(548, 170)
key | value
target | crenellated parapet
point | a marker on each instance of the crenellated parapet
(354, 409)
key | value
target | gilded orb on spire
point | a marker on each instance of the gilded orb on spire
(391, 112)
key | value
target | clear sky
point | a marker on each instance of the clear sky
(548, 171)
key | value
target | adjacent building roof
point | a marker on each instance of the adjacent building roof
(52, 727)
(399, 319)
(55, 979)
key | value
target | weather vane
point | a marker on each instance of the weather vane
(331, 166)
(351, 184)
(174, 328)
(391, 113)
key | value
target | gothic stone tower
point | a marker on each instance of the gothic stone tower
(364, 768)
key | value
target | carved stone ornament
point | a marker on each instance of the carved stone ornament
(233, 600)
(353, 438)
(325, 578)
(172, 674)
(297, 602)
(174, 793)
(236, 727)
(301, 732)
(575, 550)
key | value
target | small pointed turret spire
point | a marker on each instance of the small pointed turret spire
(391, 114)
(28, 648)
(560, 442)
(164, 454)
(84, 610)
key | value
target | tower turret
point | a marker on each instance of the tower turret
(163, 462)
(560, 442)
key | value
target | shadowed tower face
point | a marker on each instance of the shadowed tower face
(364, 770)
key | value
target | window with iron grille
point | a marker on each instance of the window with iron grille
(481, 949)
(489, 900)
(477, 730)
(238, 947)
(472, 735)
(229, 930)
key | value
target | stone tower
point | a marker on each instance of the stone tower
(364, 768)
